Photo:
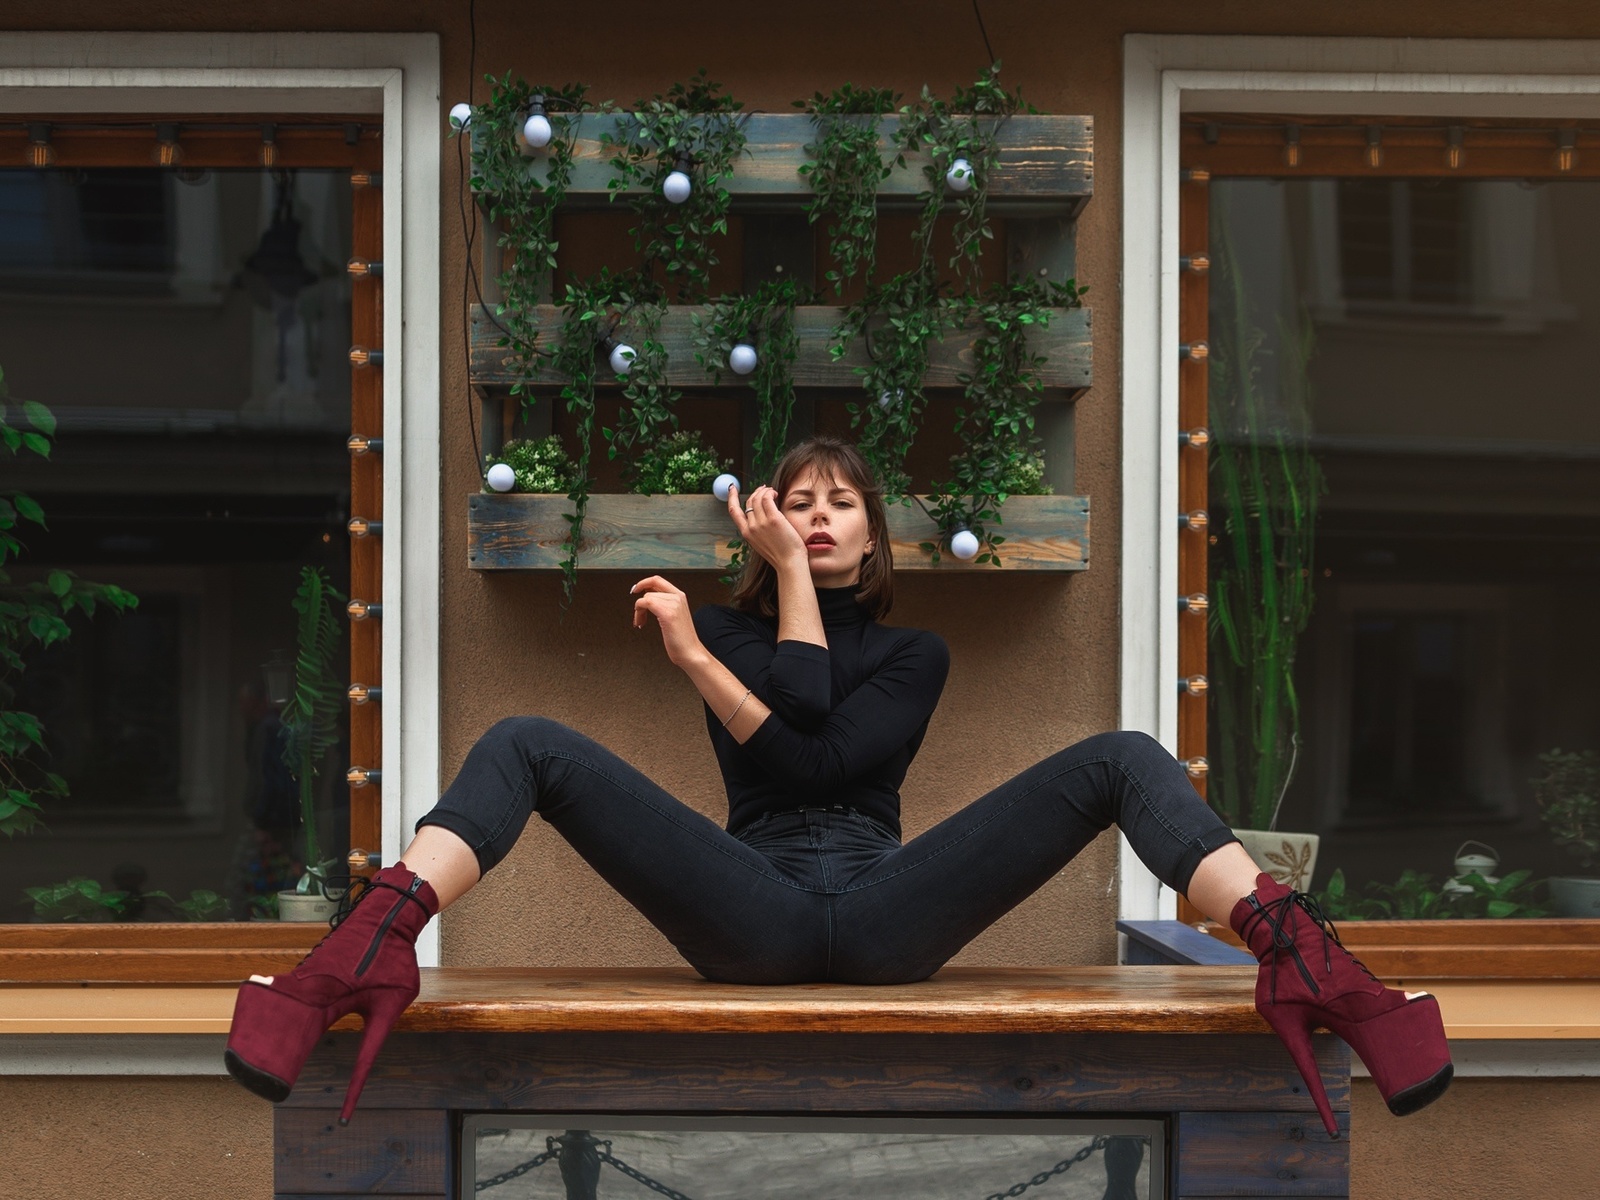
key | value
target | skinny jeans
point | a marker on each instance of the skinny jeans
(822, 893)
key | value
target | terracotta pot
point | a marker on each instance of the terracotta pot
(1575, 896)
(305, 906)
(1290, 858)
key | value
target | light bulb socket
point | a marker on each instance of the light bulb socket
(1374, 146)
(1197, 603)
(1196, 521)
(1291, 146)
(1195, 264)
(168, 152)
(1194, 351)
(1193, 685)
(269, 145)
(1197, 438)
(1455, 139)
(366, 179)
(360, 446)
(618, 354)
(361, 610)
(362, 693)
(365, 268)
(360, 860)
(358, 777)
(365, 356)
(1566, 149)
(360, 527)
(1197, 767)
(41, 152)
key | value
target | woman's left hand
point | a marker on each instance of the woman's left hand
(670, 607)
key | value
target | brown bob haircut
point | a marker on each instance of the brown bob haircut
(835, 461)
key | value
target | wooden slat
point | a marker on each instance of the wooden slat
(1066, 345)
(971, 1001)
(208, 935)
(146, 966)
(1261, 1154)
(691, 533)
(905, 1073)
(392, 1152)
(201, 147)
(1046, 164)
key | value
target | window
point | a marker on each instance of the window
(190, 329)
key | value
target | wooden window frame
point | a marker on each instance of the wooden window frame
(231, 950)
(1254, 145)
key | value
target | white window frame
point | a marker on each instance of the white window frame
(398, 75)
(1164, 76)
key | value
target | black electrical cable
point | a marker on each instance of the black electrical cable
(469, 226)
(982, 30)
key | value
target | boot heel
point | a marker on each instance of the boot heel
(1293, 1026)
(381, 1011)
(271, 1037)
(1405, 1052)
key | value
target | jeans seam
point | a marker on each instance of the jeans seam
(623, 787)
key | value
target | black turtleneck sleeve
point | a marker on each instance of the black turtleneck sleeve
(846, 719)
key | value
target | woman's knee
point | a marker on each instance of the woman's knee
(1124, 745)
(526, 734)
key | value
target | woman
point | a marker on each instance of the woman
(815, 711)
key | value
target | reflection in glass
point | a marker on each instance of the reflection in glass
(598, 1158)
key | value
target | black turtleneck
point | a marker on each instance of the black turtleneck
(847, 718)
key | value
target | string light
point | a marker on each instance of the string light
(40, 152)
(1374, 146)
(168, 152)
(1566, 149)
(1291, 146)
(677, 185)
(269, 145)
(536, 130)
(1454, 152)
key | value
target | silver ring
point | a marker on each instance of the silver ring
(748, 511)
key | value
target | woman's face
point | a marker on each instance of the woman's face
(831, 519)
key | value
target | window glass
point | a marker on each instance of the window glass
(1414, 360)
(189, 332)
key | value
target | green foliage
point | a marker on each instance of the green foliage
(845, 168)
(540, 465)
(1568, 792)
(202, 905)
(697, 128)
(311, 717)
(766, 315)
(78, 899)
(1265, 485)
(1415, 897)
(965, 126)
(33, 615)
(650, 405)
(679, 465)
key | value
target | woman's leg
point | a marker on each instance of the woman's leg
(908, 914)
(721, 903)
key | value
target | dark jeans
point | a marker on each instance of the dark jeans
(823, 893)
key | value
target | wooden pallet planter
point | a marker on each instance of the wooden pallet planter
(1065, 342)
(690, 533)
(1046, 165)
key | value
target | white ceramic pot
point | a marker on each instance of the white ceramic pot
(305, 906)
(1290, 858)
(1575, 896)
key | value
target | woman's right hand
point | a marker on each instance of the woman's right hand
(765, 529)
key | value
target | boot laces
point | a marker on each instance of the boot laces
(1283, 916)
(360, 888)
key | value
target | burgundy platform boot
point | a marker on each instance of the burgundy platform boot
(367, 964)
(1308, 979)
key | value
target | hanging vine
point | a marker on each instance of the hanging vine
(845, 168)
(697, 130)
(649, 404)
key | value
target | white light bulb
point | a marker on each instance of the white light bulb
(887, 399)
(676, 187)
(622, 358)
(959, 176)
(536, 130)
(460, 116)
(742, 358)
(721, 484)
(964, 545)
(502, 478)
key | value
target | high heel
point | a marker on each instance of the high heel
(1398, 1035)
(366, 964)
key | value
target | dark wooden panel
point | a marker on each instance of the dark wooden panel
(1066, 345)
(690, 533)
(826, 1073)
(1046, 164)
(1261, 1154)
(387, 1152)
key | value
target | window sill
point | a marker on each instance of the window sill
(223, 952)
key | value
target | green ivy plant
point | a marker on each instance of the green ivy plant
(845, 167)
(699, 129)
(1416, 897)
(83, 899)
(541, 465)
(1568, 793)
(995, 419)
(765, 315)
(679, 465)
(32, 614)
(311, 717)
(966, 126)
(649, 403)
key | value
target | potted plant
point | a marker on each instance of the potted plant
(311, 730)
(1568, 792)
(1265, 484)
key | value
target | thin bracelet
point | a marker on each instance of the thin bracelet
(736, 708)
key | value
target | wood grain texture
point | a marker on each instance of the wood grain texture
(1065, 343)
(1046, 164)
(820, 1072)
(1261, 1154)
(224, 952)
(389, 1152)
(691, 533)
